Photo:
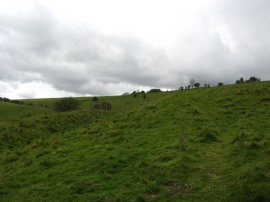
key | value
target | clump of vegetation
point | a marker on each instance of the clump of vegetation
(66, 104)
(106, 105)
(96, 106)
(103, 105)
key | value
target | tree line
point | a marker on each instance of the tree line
(193, 84)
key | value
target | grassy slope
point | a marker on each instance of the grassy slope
(120, 103)
(14, 112)
(197, 145)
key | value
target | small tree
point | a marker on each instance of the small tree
(66, 104)
(125, 94)
(197, 85)
(192, 82)
(241, 80)
(95, 99)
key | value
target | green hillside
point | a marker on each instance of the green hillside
(206, 144)
(10, 112)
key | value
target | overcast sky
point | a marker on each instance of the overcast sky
(57, 48)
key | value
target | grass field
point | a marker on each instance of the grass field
(12, 113)
(206, 144)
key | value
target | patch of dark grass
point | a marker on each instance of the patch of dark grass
(265, 100)
(28, 162)
(178, 189)
(206, 136)
(82, 187)
(11, 157)
(248, 138)
(114, 133)
(48, 163)
(250, 193)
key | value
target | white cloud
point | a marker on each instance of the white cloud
(109, 47)
(18, 90)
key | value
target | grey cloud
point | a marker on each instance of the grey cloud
(78, 59)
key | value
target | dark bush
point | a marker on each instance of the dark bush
(6, 99)
(95, 99)
(16, 102)
(1, 98)
(253, 79)
(66, 104)
(96, 106)
(197, 85)
(220, 84)
(241, 80)
(106, 105)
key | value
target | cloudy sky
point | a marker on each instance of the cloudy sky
(56, 48)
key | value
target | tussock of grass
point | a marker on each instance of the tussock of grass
(205, 135)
